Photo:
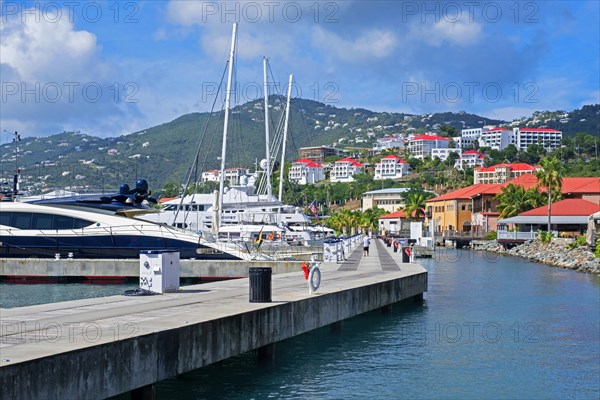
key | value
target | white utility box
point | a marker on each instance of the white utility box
(159, 270)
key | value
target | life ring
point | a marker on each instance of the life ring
(270, 236)
(314, 279)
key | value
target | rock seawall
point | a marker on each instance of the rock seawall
(556, 254)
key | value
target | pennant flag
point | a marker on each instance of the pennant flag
(260, 238)
(313, 207)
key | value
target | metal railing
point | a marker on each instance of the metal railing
(464, 234)
(517, 235)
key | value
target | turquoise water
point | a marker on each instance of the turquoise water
(490, 327)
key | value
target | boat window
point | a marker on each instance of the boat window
(21, 220)
(171, 207)
(41, 221)
(5, 219)
(63, 222)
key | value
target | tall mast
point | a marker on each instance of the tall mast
(267, 139)
(285, 132)
(217, 223)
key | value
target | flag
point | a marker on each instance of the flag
(313, 207)
(260, 238)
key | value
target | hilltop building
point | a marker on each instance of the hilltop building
(317, 154)
(305, 171)
(391, 167)
(344, 170)
(420, 146)
(470, 159)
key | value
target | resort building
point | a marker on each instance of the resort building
(233, 175)
(467, 136)
(344, 170)
(305, 171)
(470, 159)
(549, 138)
(318, 154)
(388, 142)
(391, 167)
(420, 146)
(501, 173)
(443, 154)
(496, 138)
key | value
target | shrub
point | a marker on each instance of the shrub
(492, 235)
(545, 237)
(580, 241)
(597, 252)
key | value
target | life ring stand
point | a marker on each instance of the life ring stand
(314, 279)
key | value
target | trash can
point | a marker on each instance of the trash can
(405, 254)
(260, 284)
(396, 244)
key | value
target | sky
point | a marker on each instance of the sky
(109, 68)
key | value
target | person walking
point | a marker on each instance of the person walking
(366, 243)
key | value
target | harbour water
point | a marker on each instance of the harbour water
(490, 327)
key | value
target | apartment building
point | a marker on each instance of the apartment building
(420, 146)
(344, 170)
(470, 159)
(305, 171)
(391, 167)
(501, 173)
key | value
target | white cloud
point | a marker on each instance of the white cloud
(47, 51)
(375, 43)
(460, 33)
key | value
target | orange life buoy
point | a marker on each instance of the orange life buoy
(270, 236)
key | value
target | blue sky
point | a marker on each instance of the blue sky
(110, 68)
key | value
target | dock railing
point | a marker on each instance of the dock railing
(507, 235)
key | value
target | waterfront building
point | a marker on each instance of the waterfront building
(391, 167)
(344, 170)
(305, 171)
(397, 223)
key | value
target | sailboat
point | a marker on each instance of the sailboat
(238, 213)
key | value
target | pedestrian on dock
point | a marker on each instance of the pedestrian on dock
(366, 243)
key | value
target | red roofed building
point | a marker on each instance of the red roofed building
(343, 170)
(420, 146)
(305, 171)
(397, 223)
(569, 215)
(470, 159)
(391, 167)
(501, 173)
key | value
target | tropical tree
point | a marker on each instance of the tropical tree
(550, 176)
(414, 203)
(513, 200)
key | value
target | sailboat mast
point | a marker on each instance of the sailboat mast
(217, 223)
(267, 139)
(285, 132)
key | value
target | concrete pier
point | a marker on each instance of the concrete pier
(97, 348)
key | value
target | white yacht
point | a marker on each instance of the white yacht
(31, 230)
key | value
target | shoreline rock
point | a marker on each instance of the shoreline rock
(579, 259)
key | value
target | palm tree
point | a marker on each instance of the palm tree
(513, 201)
(550, 176)
(415, 204)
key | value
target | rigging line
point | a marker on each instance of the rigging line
(187, 184)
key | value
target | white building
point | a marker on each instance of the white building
(420, 146)
(305, 171)
(467, 136)
(343, 170)
(388, 142)
(470, 159)
(496, 138)
(443, 154)
(233, 175)
(391, 167)
(549, 138)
